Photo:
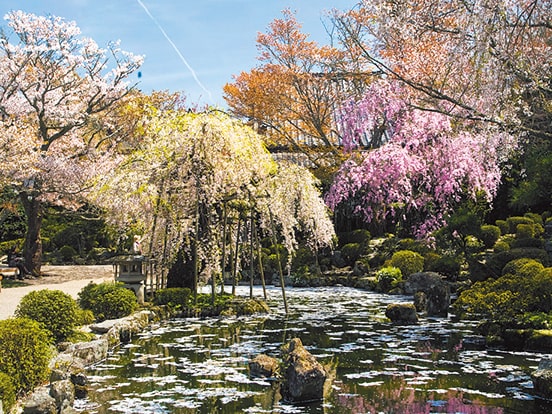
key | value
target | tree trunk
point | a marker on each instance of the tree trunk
(32, 248)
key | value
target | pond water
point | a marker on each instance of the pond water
(201, 365)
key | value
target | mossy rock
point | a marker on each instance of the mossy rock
(402, 313)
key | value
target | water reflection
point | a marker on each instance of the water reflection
(201, 366)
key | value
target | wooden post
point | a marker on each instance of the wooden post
(274, 242)
(251, 257)
(260, 260)
(196, 242)
(223, 265)
(235, 268)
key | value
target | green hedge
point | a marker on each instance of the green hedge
(55, 310)
(25, 352)
(387, 278)
(489, 235)
(510, 297)
(108, 300)
(174, 297)
(7, 392)
(408, 261)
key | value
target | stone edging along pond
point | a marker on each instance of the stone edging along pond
(68, 379)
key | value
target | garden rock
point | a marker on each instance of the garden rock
(542, 379)
(303, 376)
(263, 366)
(420, 301)
(63, 393)
(402, 313)
(40, 402)
(90, 352)
(436, 289)
(119, 331)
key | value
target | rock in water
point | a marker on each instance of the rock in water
(303, 376)
(542, 379)
(263, 366)
(402, 313)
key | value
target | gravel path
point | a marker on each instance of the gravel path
(69, 279)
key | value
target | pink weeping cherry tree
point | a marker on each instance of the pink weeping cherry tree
(424, 166)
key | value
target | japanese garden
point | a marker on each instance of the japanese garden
(365, 228)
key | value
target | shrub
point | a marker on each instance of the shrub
(351, 252)
(67, 253)
(497, 261)
(53, 309)
(448, 266)
(108, 300)
(514, 221)
(489, 235)
(527, 242)
(85, 316)
(501, 246)
(387, 278)
(25, 352)
(408, 261)
(360, 236)
(7, 392)
(513, 267)
(503, 226)
(414, 245)
(174, 297)
(536, 218)
(509, 297)
(429, 260)
(525, 231)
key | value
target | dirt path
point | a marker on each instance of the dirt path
(68, 279)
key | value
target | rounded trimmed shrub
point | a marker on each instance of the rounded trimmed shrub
(7, 392)
(497, 261)
(53, 309)
(108, 300)
(514, 267)
(525, 231)
(25, 353)
(527, 242)
(503, 226)
(514, 221)
(448, 266)
(351, 252)
(501, 246)
(387, 278)
(408, 261)
(67, 253)
(174, 297)
(489, 235)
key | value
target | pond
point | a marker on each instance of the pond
(201, 365)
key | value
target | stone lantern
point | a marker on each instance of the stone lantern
(131, 270)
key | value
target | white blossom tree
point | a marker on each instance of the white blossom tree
(56, 90)
(190, 167)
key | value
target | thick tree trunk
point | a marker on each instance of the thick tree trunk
(32, 249)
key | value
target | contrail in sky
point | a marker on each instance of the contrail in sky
(182, 58)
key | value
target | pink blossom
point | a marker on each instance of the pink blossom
(423, 168)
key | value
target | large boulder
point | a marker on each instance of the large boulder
(303, 376)
(402, 313)
(542, 378)
(436, 290)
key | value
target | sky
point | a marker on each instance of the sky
(190, 46)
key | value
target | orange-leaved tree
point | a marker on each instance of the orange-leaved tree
(292, 96)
